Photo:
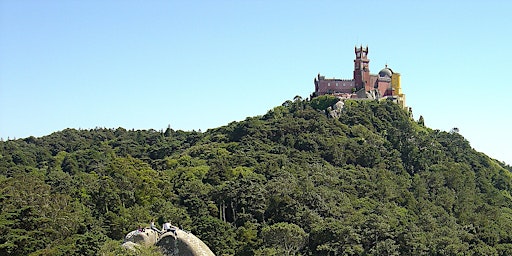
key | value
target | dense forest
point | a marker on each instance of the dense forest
(293, 181)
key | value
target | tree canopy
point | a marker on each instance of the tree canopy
(292, 181)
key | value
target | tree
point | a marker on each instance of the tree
(421, 121)
(218, 235)
(285, 236)
(336, 237)
(323, 102)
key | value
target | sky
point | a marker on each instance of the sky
(195, 65)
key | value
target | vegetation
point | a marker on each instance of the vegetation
(290, 182)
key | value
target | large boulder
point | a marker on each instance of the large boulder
(180, 243)
(145, 237)
(336, 110)
(183, 244)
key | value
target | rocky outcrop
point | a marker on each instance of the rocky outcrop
(145, 237)
(183, 244)
(336, 109)
(180, 244)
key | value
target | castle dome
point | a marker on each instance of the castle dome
(386, 72)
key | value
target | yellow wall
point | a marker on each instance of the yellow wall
(397, 89)
(395, 82)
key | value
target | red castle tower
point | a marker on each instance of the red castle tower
(362, 69)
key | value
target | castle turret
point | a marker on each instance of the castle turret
(397, 89)
(362, 69)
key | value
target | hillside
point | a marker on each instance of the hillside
(293, 181)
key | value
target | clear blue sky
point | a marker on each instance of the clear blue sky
(202, 64)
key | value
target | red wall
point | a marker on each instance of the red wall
(329, 86)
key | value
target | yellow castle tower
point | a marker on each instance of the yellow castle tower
(397, 89)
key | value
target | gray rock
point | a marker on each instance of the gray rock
(181, 244)
(335, 111)
(146, 237)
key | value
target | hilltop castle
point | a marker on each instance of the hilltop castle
(384, 85)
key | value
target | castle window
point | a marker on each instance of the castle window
(328, 84)
(336, 84)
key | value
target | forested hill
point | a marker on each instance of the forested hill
(293, 181)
